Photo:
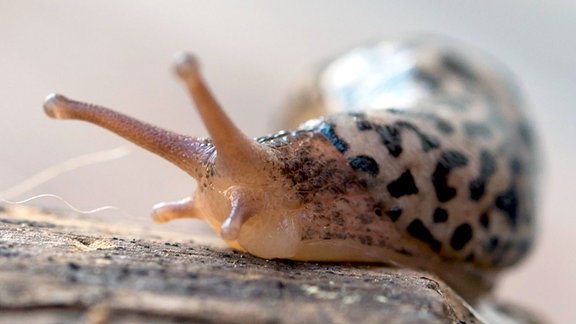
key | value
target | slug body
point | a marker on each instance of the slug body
(429, 166)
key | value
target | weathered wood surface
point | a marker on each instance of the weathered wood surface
(65, 269)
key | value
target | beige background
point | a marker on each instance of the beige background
(117, 53)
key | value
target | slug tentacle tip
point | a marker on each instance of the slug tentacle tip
(165, 212)
(186, 152)
(54, 105)
(187, 66)
(237, 153)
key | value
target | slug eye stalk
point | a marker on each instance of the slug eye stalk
(236, 152)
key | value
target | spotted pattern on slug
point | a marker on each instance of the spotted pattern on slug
(455, 165)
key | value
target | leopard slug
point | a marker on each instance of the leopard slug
(429, 165)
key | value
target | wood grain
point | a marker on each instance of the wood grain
(67, 269)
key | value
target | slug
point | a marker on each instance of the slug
(430, 165)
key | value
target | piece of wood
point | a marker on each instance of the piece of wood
(68, 269)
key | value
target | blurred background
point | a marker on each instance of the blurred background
(118, 54)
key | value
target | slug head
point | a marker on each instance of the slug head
(257, 194)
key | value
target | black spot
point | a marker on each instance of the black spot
(524, 247)
(444, 126)
(428, 78)
(441, 124)
(470, 257)
(328, 130)
(455, 64)
(419, 231)
(516, 166)
(378, 211)
(359, 114)
(447, 161)
(402, 251)
(403, 186)
(73, 266)
(366, 240)
(487, 168)
(492, 244)
(363, 125)
(501, 256)
(485, 220)
(440, 215)
(394, 213)
(507, 202)
(507, 247)
(397, 111)
(366, 219)
(526, 133)
(428, 142)
(364, 163)
(461, 236)
(458, 103)
(451, 159)
(390, 137)
(477, 130)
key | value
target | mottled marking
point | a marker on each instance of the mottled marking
(366, 240)
(419, 231)
(364, 163)
(390, 137)
(394, 213)
(477, 130)
(461, 236)
(447, 161)
(440, 215)
(487, 168)
(328, 130)
(366, 218)
(403, 186)
(507, 202)
(312, 173)
(338, 219)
